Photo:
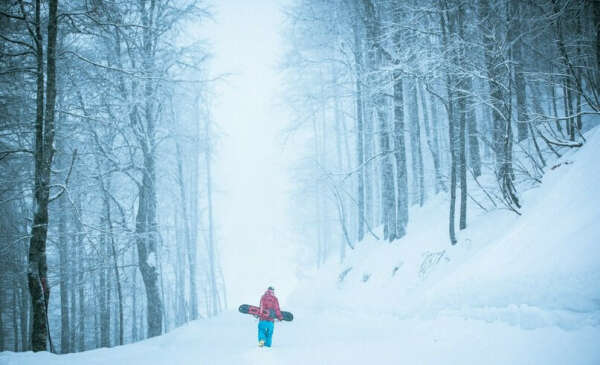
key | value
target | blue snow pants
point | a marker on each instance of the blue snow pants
(265, 331)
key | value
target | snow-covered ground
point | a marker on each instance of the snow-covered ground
(514, 290)
(344, 338)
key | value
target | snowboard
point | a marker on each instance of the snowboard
(250, 309)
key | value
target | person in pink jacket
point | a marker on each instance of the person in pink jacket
(269, 306)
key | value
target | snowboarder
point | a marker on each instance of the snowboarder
(266, 324)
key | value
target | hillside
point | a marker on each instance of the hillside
(538, 269)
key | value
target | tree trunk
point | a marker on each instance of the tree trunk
(473, 134)
(318, 200)
(387, 189)
(400, 157)
(113, 254)
(387, 197)
(25, 316)
(211, 245)
(73, 291)
(43, 155)
(134, 323)
(146, 245)
(191, 248)
(119, 293)
(195, 215)
(15, 329)
(463, 97)
(104, 297)
(338, 119)
(64, 280)
(146, 221)
(596, 22)
(180, 305)
(80, 278)
(520, 84)
(96, 313)
(496, 75)
(520, 89)
(161, 282)
(462, 162)
(554, 107)
(567, 80)
(506, 172)
(418, 194)
(360, 158)
(15, 318)
(431, 133)
(2, 339)
(568, 108)
(447, 29)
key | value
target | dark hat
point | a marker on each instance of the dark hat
(270, 288)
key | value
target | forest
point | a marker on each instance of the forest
(399, 101)
(107, 139)
(105, 153)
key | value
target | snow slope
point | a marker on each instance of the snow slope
(535, 270)
(514, 290)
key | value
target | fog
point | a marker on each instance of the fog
(252, 201)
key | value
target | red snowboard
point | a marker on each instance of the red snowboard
(250, 309)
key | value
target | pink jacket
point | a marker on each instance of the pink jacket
(269, 302)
